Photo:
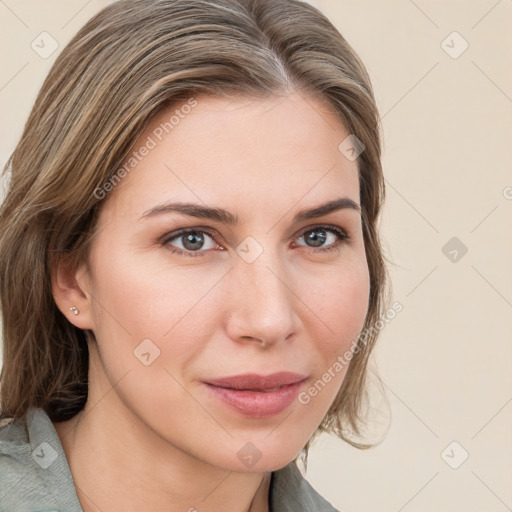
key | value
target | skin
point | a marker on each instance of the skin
(153, 437)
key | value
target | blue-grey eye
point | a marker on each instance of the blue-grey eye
(193, 241)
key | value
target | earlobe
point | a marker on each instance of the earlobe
(70, 292)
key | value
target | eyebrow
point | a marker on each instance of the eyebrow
(224, 216)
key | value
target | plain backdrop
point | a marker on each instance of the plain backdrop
(442, 76)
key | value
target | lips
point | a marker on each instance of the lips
(257, 396)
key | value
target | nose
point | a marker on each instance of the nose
(262, 302)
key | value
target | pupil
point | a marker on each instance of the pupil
(193, 241)
(317, 240)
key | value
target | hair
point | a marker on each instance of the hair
(129, 62)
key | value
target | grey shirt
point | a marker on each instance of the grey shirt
(35, 475)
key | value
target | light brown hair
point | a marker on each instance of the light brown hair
(130, 61)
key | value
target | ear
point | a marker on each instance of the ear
(70, 285)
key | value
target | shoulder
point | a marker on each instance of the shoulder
(291, 492)
(34, 475)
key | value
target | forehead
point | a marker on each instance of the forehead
(232, 151)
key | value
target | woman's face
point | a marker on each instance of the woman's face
(263, 285)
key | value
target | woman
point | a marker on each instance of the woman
(190, 264)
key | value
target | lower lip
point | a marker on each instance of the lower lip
(258, 404)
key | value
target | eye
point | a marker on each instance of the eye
(317, 237)
(192, 242)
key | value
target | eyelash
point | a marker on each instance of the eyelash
(341, 235)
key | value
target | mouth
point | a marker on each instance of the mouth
(255, 395)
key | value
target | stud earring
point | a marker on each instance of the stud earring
(74, 309)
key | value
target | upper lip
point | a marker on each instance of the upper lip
(257, 382)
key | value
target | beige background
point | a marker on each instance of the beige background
(445, 359)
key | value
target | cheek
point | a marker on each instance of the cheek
(144, 296)
(339, 304)
(145, 328)
(140, 298)
(354, 295)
